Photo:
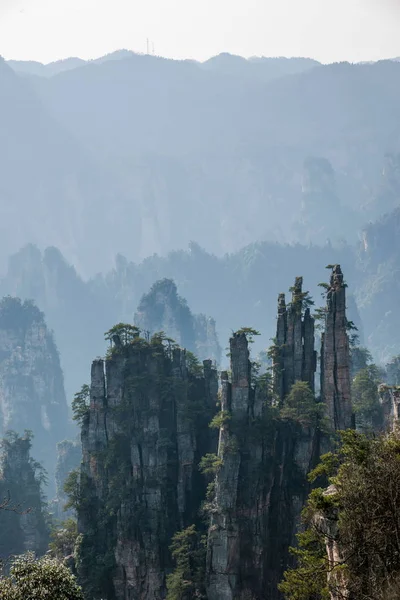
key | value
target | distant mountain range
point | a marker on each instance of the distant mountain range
(138, 154)
(263, 67)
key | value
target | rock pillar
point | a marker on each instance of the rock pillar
(335, 356)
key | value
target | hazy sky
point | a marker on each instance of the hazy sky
(328, 30)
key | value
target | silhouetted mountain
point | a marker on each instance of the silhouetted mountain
(31, 67)
(51, 190)
(262, 68)
(225, 63)
(237, 290)
(142, 154)
(378, 292)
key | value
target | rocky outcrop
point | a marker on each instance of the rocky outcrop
(144, 433)
(335, 355)
(295, 356)
(207, 345)
(146, 429)
(162, 309)
(326, 522)
(23, 524)
(389, 397)
(323, 215)
(69, 455)
(31, 381)
(259, 488)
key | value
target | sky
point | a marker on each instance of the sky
(327, 30)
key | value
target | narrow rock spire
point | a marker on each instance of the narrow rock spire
(335, 355)
(278, 358)
(223, 552)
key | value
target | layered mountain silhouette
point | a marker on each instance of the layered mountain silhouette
(137, 154)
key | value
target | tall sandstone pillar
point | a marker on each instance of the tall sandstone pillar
(335, 355)
(223, 552)
(295, 359)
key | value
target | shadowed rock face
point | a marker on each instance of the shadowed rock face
(146, 429)
(335, 355)
(327, 522)
(69, 456)
(24, 530)
(145, 432)
(260, 489)
(296, 357)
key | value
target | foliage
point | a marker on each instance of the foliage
(249, 332)
(220, 419)
(360, 359)
(393, 371)
(124, 331)
(194, 366)
(42, 579)
(300, 405)
(350, 326)
(308, 581)
(300, 300)
(120, 336)
(210, 464)
(366, 475)
(80, 404)
(15, 314)
(63, 539)
(188, 549)
(319, 316)
(21, 494)
(327, 467)
(365, 398)
(72, 489)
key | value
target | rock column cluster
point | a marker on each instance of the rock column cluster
(296, 358)
(253, 514)
(145, 432)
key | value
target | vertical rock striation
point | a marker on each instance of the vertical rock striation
(69, 456)
(335, 356)
(31, 380)
(144, 434)
(259, 488)
(20, 479)
(162, 309)
(326, 521)
(295, 358)
(389, 398)
(224, 535)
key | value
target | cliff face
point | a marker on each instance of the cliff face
(335, 355)
(326, 521)
(142, 438)
(295, 358)
(146, 429)
(69, 455)
(260, 487)
(389, 397)
(31, 381)
(23, 529)
(162, 309)
(323, 213)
